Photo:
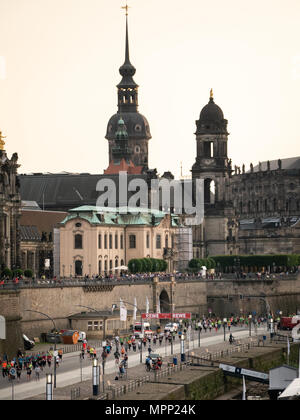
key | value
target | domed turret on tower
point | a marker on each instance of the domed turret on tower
(211, 120)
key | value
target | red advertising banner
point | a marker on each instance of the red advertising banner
(175, 315)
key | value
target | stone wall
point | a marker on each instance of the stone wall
(244, 296)
(10, 309)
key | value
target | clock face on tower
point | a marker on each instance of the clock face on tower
(208, 162)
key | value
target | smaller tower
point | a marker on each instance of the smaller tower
(211, 159)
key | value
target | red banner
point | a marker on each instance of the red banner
(175, 315)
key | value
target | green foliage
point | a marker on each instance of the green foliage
(18, 272)
(196, 264)
(135, 266)
(259, 261)
(7, 273)
(147, 265)
(28, 273)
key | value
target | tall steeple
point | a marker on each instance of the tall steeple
(137, 126)
(127, 88)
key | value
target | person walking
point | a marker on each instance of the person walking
(37, 371)
(28, 371)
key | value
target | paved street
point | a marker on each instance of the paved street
(70, 374)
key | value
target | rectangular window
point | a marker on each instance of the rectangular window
(90, 326)
(105, 241)
(148, 241)
(110, 242)
(132, 241)
(158, 241)
(78, 242)
(100, 241)
(121, 242)
(116, 241)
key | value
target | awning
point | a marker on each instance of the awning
(293, 390)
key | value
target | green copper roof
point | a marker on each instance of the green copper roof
(120, 216)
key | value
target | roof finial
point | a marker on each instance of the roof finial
(2, 142)
(211, 94)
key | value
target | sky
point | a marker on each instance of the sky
(59, 67)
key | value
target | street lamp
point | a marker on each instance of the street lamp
(49, 387)
(182, 338)
(55, 329)
(96, 377)
(250, 320)
(224, 326)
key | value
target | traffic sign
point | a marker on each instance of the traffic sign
(12, 372)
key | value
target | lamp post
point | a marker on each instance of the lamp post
(224, 326)
(250, 320)
(55, 329)
(49, 387)
(182, 338)
(96, 377)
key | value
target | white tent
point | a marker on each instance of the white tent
(293, 390)
(122, 267)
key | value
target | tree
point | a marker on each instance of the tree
(28, 273)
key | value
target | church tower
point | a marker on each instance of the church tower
(137, 126)
(213, 166)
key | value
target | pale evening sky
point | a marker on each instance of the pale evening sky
(59, 67)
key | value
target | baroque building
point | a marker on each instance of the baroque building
(246, 212)
(10, 209)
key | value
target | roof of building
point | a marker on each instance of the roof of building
(65, 191)
(120, 216)
(29, 233)
(41, 221)
(286, 164)
(130, 168)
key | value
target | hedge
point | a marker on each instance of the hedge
(147, 265)
(196, 264)
(279, 260)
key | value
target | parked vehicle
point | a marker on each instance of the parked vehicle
(137, 329)
(171, 327)
(289, 322)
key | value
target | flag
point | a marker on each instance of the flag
(123, 311)
(147, 305)
(135, 309)
(244, 389)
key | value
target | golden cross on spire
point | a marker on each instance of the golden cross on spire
(211, 94)
(126, 8)
(2, 142)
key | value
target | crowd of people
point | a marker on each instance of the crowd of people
(29, 364)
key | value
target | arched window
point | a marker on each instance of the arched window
(105, 241)
(158, 241)
(110, 241)
(78, 241)
(78, 268)
(116, 241)
(167, 241)
(100, 267)
(121, 242)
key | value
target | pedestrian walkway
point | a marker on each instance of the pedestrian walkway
(70, 381)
